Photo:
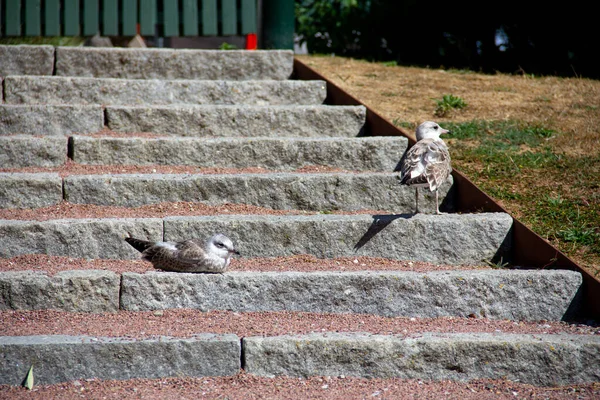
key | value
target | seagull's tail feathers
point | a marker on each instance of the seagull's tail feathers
(139, 244)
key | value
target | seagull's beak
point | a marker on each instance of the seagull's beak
(446, 131)
(234, 251)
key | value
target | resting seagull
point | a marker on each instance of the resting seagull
(427, 162)
(212, 256)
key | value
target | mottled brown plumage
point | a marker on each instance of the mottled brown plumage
(427, 162)
(193, 255)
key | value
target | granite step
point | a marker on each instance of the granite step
(240, 121)
(26, 60)
(49, 120)
(20, 151)
(110, 91)
(318, 192)
(237, 121)
(283, 154)
(153, 63)
(518, 295)
(537, 359)
(421, 237)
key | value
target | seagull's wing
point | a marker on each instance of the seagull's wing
(437, 164)
(412, 164)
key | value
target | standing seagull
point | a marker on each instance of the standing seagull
(427, 162)
(192, 255)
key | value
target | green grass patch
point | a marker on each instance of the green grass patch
(448, 103)
(513, 162)
(40, 40)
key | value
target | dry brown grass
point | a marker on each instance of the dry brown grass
(570, 106)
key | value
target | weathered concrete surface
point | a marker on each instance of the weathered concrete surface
(282, 191)
(18, 151)
(493, 294)
(23, 190)
(26, 60)
(109, 91)
(62, 358)
(544, 360)
(174, 63)
(240, 121)
(78, 291)
(50, 120)
(79, 238)
(421, 237)
(351, 154)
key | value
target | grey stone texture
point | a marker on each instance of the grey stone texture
(131, 92)
(174, 63)
(23, 190)
(351, 154)
(50, 120)
(19, 151)
(240, 121)
(506, 294)
(282, 191)
(62, 358)
(78, 238)
(545, 360)
(78, 291)
(422, 237)
(26, 60)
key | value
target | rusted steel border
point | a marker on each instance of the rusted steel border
(528, 248)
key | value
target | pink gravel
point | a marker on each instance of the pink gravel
(246, 386)
(303, 263)
(188, 322)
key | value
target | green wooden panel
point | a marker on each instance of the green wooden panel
(209, 17)
(91, 12)
(110, 17)
(190, 18)
(71, 24)
(249, 17)
(129, 14)
(13, 18)
(170, 18)
(52, 18)
(33, 21)
(228, 17)
(147, 17)
(1, 16)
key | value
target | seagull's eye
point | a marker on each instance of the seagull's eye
(219, 244)
(435, 127)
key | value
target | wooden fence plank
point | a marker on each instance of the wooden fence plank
(171, 18)
(33, 22)
(110, 17)
(209, 18)
(52, 18)
(228, 17)
(72, 23)
(249, 17)
(190, 18)
(91, 11)
(129, 12)
(148, 13)
(13, 18)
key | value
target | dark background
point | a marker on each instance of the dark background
(538, 37)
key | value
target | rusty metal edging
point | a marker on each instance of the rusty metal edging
(528, 248)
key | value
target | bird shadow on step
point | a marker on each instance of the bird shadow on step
(378, 224)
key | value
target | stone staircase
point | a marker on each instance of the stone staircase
(239, 110)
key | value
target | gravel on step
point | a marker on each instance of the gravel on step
(250, 387)
(300, 263)
(184, 323)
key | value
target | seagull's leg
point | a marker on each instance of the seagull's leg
(417, 199)
(437, 204)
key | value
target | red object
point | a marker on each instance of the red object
(251, 42)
